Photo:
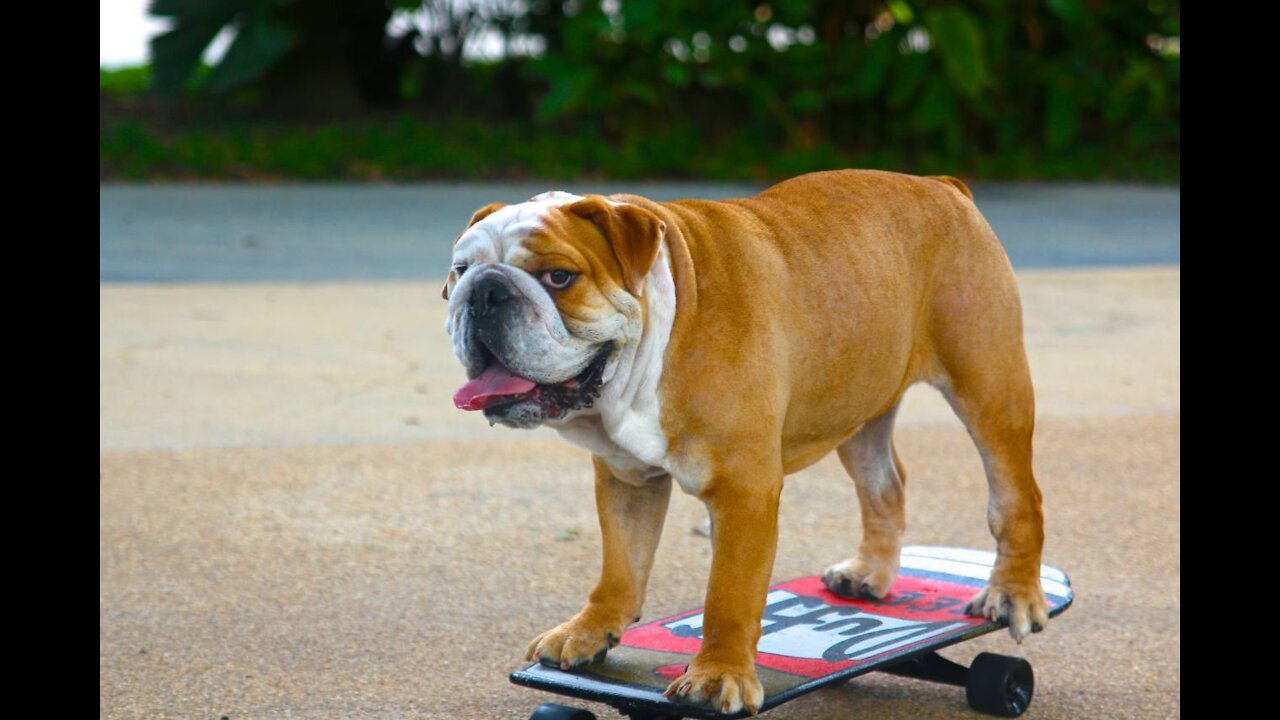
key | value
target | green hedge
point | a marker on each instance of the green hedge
(408, 148)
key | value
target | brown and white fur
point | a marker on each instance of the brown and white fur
(745, 340)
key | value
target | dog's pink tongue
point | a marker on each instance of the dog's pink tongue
(490, 386)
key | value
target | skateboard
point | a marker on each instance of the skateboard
(812, 638)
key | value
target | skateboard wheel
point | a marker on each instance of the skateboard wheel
(1000, 685)
(552, 711)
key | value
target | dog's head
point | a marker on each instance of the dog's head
(543, 297)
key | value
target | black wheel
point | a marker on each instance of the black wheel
(1000, 685)
(552, 711)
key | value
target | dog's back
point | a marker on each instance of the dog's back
(915, 257)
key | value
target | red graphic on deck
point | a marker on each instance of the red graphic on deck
(809, 631)
(670, 672)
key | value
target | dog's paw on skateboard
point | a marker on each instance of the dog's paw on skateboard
(1023, 607)
(728, 688)
(858, 578)
(574, 644)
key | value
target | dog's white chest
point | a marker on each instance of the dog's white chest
(590, 434)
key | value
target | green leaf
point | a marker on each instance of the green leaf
(1070, 10)
(900, 11)
(186, 10)
(260, 42)
(1124, 99)
(875, 64)
(906, 81)
(1062, 114)
(806, 102)
(175, 54)
(643, 18)
(676, 74)
(566, 92)
(959, 42)
(640, 90)
(937, 106)
(125, 81)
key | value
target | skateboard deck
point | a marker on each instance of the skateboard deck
(810, 636)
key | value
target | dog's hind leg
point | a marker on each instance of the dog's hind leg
(978, 340)
(871, 460)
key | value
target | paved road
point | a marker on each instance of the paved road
(195, 233)
(295, 522)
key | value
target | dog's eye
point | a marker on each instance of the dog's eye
(459, 269)
(558, 279)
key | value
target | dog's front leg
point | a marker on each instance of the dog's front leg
(744, 538)
(630, 524)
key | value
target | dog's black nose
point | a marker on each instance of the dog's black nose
(489, 293)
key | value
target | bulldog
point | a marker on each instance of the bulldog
(727, 344)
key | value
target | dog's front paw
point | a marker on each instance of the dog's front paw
(1022, 605)
(858, 578)
(576, 643)
(730, 688)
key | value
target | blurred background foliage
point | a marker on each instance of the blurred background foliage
(650, 88)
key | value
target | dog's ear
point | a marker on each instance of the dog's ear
(485, 212)
(476, 217)
(633, 233)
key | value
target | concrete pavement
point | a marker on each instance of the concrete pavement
(295, 522)
(199, 365)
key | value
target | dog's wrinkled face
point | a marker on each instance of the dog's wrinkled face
(543, 296)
